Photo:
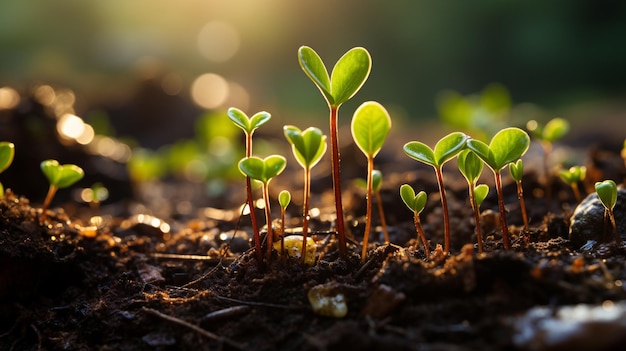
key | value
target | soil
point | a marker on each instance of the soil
(191, 282)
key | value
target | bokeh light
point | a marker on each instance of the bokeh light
(218, 41)
(9, 98)
(210, 90)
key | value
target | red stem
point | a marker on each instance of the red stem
(255, 224)
(48, 200)
(368, 214)
(420, 233)
(444, 205)
(305, 211)
(476, 218)
(505, 231)
(522, 203)
(334, 148)
(268, 220)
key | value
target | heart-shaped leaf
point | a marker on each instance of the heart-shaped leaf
(248, 124)
(370, 126)
(574, 174)
(555, 129)
(480, 193)
(284, 198)
(7, 152)
(377, 180)
(445, 149)
(470, 165)
(607, 192)
(262, 170)
(308, 146)
(507, 146)
(415, 202)
(517, 170)
(61, 176)
(314, 68)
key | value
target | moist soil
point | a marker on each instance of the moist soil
(131, 282)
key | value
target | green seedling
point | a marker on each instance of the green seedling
(308, 147)
(347, 77)
(377, 183)
(554, 130)
(572, 177)
(264, 170)
(95, 195)
(508, 145)
(370, 126)
(7, 152)
(445, 149)
(517, 172)
(471, 166)
(59, 176)
(284, 198)
(249, 125)
(607, 192)
(416, 203)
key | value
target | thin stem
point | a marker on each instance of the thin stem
(48, 200)
(420, 233)
(282, 235)
(479, 236)
(576, 191)
(253, 220)
(368, 214)
(522, 204)
(444, 205)
(305, 211)
(618, 240)
(381, 214)
(505, 231)
(334, 148)
(268, 220)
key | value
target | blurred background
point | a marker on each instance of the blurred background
(152, 72)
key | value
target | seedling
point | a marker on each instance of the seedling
(572, 177)
(347, 77)
(249, 125)
(308, 147)
(377, 183)
(416, 203)
(607, 192)
(517, 172)
(471, 166)
(508, 145)
(445, 149)
(7, 152)
(264, 170)
(59, 176)
(284, 198)
(370, 125)
(554, 130)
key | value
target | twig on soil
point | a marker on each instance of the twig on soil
(211, 259)
(259, 304)
(204, 276)
(195, 328)
(225, 313)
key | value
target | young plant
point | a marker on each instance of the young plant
(264, 170)
(347, 77)
(284, 198)
(249, 125)
(370, 126)
(554, 130)
(508, 145)
(572, 177)
(517, 172)
(308, 147)
(59, 176)
(471, 166)
(7, 152)
(377, 183)
(416, 203)
(445, 149)
(607, 192)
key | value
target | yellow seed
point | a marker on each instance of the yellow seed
(293, 248)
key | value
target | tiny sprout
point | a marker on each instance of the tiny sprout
(572, 177)
(607, 192)
(284, 198)
(416, 203)
(377, 183)
(471, 166)
(370, 126)
(347, 77)
(94, 195)
(264, 170)
(59, 176)
(445, 149)
(508, 145)
(517, 172)
(7, 152)
(554, 130)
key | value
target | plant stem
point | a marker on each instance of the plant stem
(48, 200)
(618, 240)
(334, 148)
(368, 213)
(268, 220)
(420, 233)
(381, 214)
(444, 205)
(479, 236)
(282, 235)
(255, 224)
(505, 231)
(305, 211)
(522, 204)
(576, 191)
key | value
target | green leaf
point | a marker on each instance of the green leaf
(607, 192)
(420, 152)
(7, 152)
(480, 193)
(517, 170)
(555, 129)
(349, 74)
(370, 126)
(308, 146)
(574, 174)
(377, 180)
(445, 149)
(247, 124)
(482, 151)
(415, 202)
(262, 170)
(314, 68)
(470, 165)
(507, 146)
(61, 176)
(284, 198)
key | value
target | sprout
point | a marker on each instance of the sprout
(347, 77)
(370, 125)
(607, 192)
(572, 177)
(308, 147)
(249, 125)
(471, 166)
(7, 152)
(264, 170)
(416, 203)
(377, 183)
(517, 172)
(554, 130)
(445, 149)
(507, 146)
(284, 198)
(59, 176)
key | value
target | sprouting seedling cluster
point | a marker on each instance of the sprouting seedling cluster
(471, 166)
